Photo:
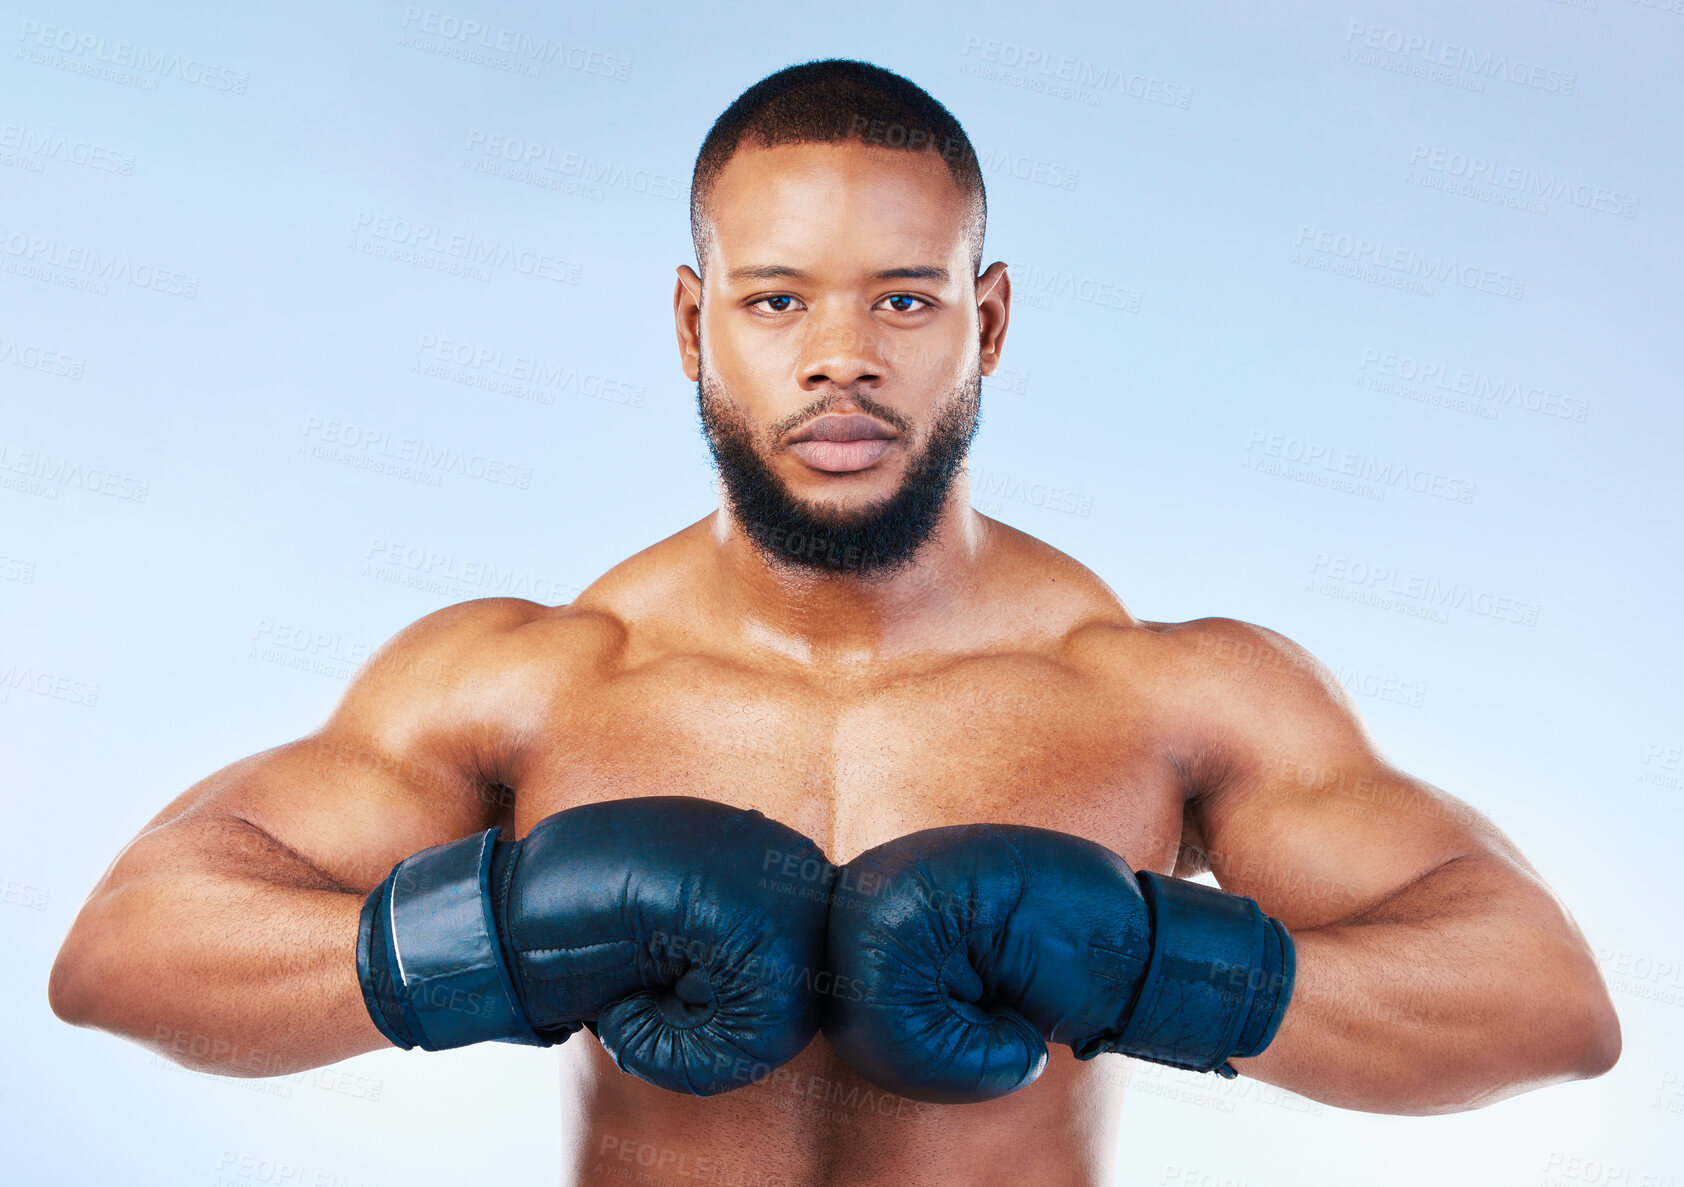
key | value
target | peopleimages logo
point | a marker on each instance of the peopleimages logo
(63, 473)
(1522, 181)
(138, 58)
(987, 485)
(1480, 64)
(376, 449)
(47, 362)
(549, 158)
(1408, 262)
(520, 375)
(1033, 282)
(436, 570)
(1412, 594)
(1026, 167)
(470, 38)
(49, 146)
(76, 265)
(1424, 376)
(1053, 69)
(1384, 473)
(466, 249)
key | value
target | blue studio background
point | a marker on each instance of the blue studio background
(1356, 320)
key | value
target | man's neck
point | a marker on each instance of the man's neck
(835, 614)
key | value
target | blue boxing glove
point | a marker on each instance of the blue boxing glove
(685, 933)
(959, 953)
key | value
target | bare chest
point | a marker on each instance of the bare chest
(853, 763)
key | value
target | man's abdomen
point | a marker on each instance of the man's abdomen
(813, 1123)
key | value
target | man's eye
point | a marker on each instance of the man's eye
(784, 308)
(905, 297)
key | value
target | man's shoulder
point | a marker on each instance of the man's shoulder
(479, 621)
(469, 646)
(1092, 615)
(1222, 642)
(1232, 696)
(1205, 676)
(634, 590)
(1229, 656)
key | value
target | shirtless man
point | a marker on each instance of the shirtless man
(847, 646)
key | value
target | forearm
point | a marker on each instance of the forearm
(1466, 987)
(234, 974)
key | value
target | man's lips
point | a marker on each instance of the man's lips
(841, 444)
(841, 457)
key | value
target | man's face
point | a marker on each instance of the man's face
(838, 373)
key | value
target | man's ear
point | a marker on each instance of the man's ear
(994, 310)
(687, 317)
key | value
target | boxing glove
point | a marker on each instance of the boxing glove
(686, 934)
(958, 953)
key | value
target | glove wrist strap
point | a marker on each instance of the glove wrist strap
(1218, 982)
(374, 971)
(429, 957)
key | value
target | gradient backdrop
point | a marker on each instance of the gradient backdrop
(1358, 321)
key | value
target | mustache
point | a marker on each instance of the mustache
(837, 398)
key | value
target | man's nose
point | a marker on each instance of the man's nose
(842, 350)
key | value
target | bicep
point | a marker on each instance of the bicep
(331, 808)
(1300, 811)
(1333, 839)
(400, 765)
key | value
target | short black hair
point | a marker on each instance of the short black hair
(827, 101)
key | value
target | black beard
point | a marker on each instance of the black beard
(873, 542)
